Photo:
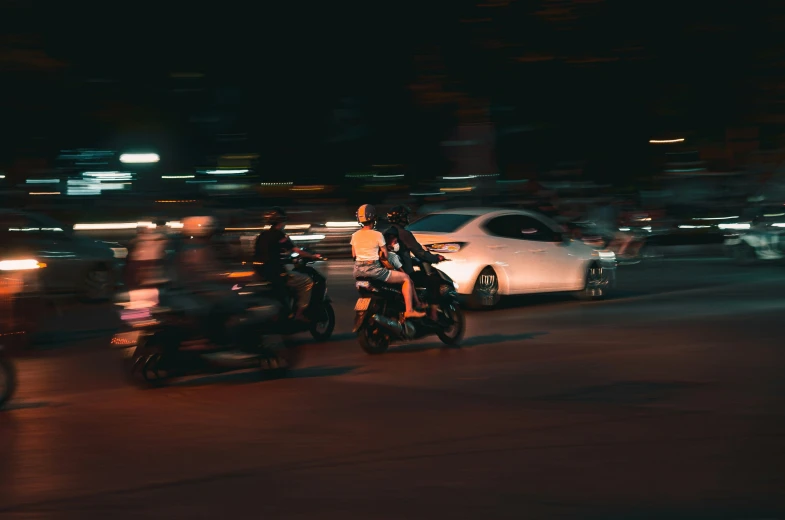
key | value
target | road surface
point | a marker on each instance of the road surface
(667, 401)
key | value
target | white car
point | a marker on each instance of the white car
(495, 252)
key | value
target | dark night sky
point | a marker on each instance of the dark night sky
(668, 67)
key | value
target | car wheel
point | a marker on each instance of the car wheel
(596, 284)
(485, 294)
(98, 284)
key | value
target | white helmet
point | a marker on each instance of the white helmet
(199, 226)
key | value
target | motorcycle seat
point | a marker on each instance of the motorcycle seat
(396, 287)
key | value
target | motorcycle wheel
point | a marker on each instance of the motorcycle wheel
(322, 330)
(278, 356)
(7, 380)
(373, 340)
(453, 335)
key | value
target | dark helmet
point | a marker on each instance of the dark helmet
(366, 214)
(399, 215)
(274, 215)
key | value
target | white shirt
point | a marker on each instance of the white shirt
(367, 243)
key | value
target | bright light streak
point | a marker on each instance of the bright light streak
(20, 265)
(296, 238)
(686, 226)
(113, 226)
(2, 176)
(666, 141)
(350, 224)
(225, 172)
(459, 178)
(734, 226)
(44, 193)
(42, 181)
(716, 218)
(177, 176)
(467, 188)
(276, 183)
(175, 224)
(139, 158)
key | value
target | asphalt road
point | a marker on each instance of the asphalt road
(667, 401)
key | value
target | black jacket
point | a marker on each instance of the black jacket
(408, 244)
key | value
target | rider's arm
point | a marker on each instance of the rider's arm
(306, 254)
(417, 250)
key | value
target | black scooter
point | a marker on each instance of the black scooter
(320, 312)
(160, 343)
(380, 308)
(7, 378)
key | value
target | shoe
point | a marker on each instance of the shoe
(414, 314)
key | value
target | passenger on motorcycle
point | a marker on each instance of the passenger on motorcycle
(393, 261)
(146, 255)
(201, 289)
(398, 217)
(272, 249)
(368, 248)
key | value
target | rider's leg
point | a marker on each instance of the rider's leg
(302, 285)
(408, 292)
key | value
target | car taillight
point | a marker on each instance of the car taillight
(448, 247)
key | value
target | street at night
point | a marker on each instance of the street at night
(665, 401)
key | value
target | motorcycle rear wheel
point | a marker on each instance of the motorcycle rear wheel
(372, 340)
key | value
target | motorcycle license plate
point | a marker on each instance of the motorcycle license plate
(362, 304)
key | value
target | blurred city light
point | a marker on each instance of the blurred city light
(139, 158)
(20, 265)
(226, 172)
(666, 141)
(177, 176)
(113, 226)
(347, 224)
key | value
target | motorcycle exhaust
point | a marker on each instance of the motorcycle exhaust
(402, 330)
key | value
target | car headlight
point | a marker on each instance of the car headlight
(25, 264)
(447, 247)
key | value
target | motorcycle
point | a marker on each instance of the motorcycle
(380, 308)
(161, 343)
(320, 312)
(7, 378)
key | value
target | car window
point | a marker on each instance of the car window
(505, 226)
(530, 228)
(520, 227)
(440, 223)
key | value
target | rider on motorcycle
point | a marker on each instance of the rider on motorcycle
(272, 248)
(368, 248)
(398, 217)
(204, 293)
